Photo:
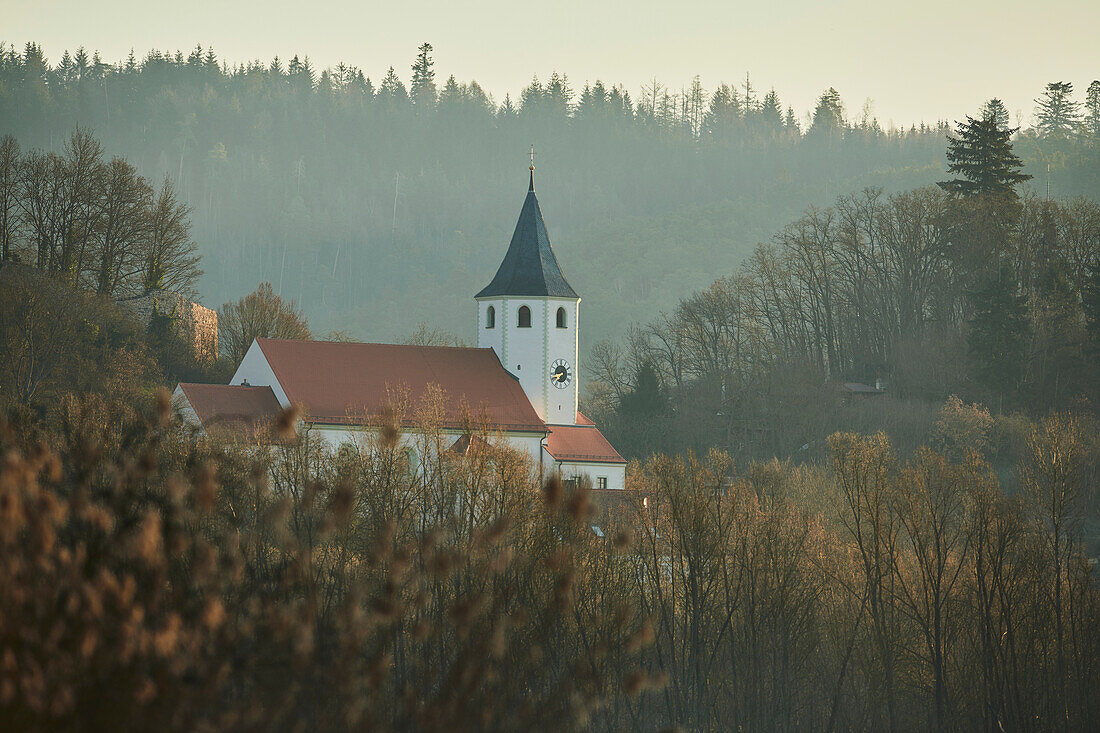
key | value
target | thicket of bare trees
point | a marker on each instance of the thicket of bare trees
(155, 580)
(875, 286)
(876, 593)
(260, 314)
(95, 224)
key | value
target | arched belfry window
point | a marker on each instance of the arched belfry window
(524, 317)
(561, 317)
(491, 317)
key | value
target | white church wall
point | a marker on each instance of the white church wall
(614, 473)
(257, 371)
(337, 435)
(187, 412)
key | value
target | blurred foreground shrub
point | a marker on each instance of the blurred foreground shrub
(151, 581)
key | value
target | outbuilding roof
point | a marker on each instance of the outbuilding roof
(529, 267)
(230, 406)
(350, 383)
(580, 444)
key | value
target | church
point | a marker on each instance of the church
(522, 377)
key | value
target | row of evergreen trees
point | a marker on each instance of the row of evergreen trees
(341, 190)
(691, 108)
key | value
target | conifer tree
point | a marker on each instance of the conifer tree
(1090, 302)
(724, 114)
(451, 94)
(791, 123)
(1057, 115)
(771, 113)
(749, 98)
(645, 399)
(981, 152)
(392, 89)
(507, 110)
(1092, 109)
(422, 87)
(998, 332)
(559, 95)
(828, 116)
(531, 98)
(995, 109)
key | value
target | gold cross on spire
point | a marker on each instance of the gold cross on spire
(532, 156)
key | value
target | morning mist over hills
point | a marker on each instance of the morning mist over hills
(375, 212)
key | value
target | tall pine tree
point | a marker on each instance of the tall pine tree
(986, 208)
(1090, 302)
(1057, 115)
(1092, 110)
(996, 110)
(645, 400)
(981, 153)
(422, 86)
(998, 333)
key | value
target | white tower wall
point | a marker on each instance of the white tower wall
(561, 343)
(529, 353)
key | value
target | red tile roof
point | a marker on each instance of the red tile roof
(582, 443)
(346, 383)
(615, 503)
(582, 419)
(231, 406)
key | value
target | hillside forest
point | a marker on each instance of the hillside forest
(377, 200)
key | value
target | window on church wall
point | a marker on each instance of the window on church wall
(347, 452)
(491, 317)
(561, 317)
(411, 460)
(524, 317)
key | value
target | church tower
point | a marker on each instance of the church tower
(530, 316)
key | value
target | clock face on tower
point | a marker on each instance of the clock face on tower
(560, 374)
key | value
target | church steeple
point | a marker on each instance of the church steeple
(529, 267)
(530, 316)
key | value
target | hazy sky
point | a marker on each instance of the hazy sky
(926, 59)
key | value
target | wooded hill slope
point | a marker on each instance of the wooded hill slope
(377, 205)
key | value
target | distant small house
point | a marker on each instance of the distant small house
(858, 389)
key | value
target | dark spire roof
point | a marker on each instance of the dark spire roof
(529, 266)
